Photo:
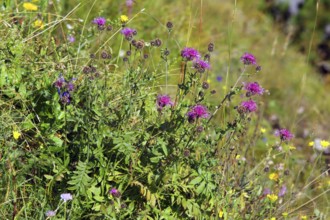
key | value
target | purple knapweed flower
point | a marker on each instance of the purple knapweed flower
(129, 3)
(198, 111)
(162, 101)
(201, 65)
(253, 88)
(266, 191)
(248, 59)
(190, 53)
(128, 32)
(249, 106)
(59, 83)
(282, 191)
(284, 134)
(50, 213)
(100, 21)
(66, 197)
(115, 192)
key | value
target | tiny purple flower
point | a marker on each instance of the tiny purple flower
(249, 106)
(267, 191)
(128, 32)
(253, 88)
(248, 59)
(71, 39)
(201, 65)
(282, 191)
(59, 83)
(284, 134)
(66, 197)
(115, 193)
(50, 213)
(190, 53)
(163, 100)
(219, 78)
(100, 21)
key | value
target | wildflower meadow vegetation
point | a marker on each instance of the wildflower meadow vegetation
(157, 110)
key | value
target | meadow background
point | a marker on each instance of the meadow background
(102, 148)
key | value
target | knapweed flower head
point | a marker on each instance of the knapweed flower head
(190, 53)
(282, 191)
(100, 21)
(30, 6)
(129, 3)
(266, 191)
(248, 59)
(128, 33)
(253, 88)
(201, 65)
(123, 18)
(162, 101)
(196, 112)
(284, 134)
(115, 192)
(50, 213)
(60, 82)
(66, 197)
(248, 106)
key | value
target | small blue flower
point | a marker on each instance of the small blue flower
(66, 197)
(219, 78)
(50, 213)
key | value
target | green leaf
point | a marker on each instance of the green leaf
(196, 181)
(164, 149)
(200, 188)
(57, 141)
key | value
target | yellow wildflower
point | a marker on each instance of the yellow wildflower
(220, 214)
(273, 218)
(123, 18)
(273, 176)
(325, 144)
(30, 6)
(208, 81)
(16, 135)
(285, 214)
(263, 130)
(39, 24)
(291, 147)
(238, 156)
(311, 143)
(272, 197)
(304, 217)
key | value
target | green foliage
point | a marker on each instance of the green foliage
(109, 144)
